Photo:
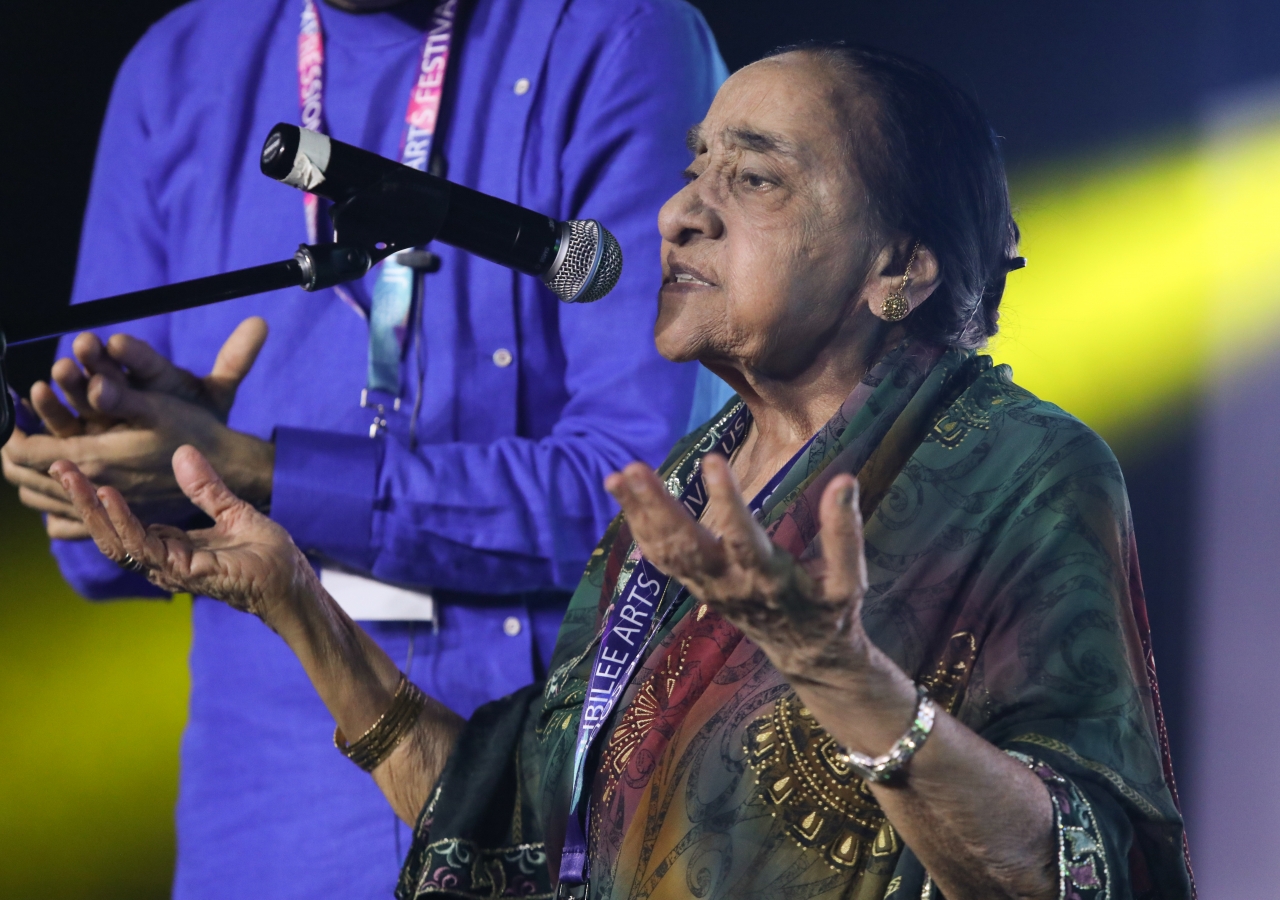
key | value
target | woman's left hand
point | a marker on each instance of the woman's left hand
(806, 623)
(960, 790)
(807, 620)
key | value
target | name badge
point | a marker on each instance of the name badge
(367, 600)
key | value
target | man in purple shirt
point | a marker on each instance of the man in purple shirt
(454, 518)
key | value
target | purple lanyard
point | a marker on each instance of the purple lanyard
(632, 621)
(420, 119)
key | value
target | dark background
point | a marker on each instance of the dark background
(1057, 79)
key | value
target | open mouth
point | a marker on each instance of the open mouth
(683, 274)
(686, 278)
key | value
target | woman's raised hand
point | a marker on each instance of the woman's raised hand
(245, 559)
(804, 622)
(251, 563)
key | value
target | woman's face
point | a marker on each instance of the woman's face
(762, 251)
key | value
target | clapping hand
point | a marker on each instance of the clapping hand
(129, 409)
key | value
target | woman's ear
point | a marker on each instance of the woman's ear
(884, 291)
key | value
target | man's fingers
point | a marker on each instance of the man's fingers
(60, 529)
(86, 348)
(201, 483)
(153, 372)
(38, 452)
(120, 401)
(234, 361)
(28, 478)
(89, 508)
(842, 551)
(744, 540)
(58, 420)
(43, 503)
(140, 358)
(94, 358)
(74, 384)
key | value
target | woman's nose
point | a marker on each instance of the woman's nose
(688, 215)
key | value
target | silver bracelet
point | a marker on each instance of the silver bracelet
(883, 769)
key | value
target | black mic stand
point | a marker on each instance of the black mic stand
(386, 217)
(314, 267)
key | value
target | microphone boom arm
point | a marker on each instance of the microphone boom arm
(385, 208)
(314, 267)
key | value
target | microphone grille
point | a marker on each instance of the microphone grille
(590, 265)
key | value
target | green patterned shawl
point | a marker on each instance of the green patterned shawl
(1003, 577)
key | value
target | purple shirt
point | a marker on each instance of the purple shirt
(499, 504)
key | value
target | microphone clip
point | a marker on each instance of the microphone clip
(326, 265)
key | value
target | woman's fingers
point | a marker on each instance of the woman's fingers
(668, 536)
(89, 508)
(201, 483)
(744, 540)
(137, 542)
(651, 511)
(118, 533)
(842, 549)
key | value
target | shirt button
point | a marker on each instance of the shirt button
(502, 357)
(511, 626)
(521, 87)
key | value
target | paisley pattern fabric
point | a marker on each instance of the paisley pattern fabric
(1003, 578)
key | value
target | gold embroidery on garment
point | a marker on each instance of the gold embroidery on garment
(639, 718)
(947, 681)
(822, 804)
(966, 414)
(886, 842)
(560, 719)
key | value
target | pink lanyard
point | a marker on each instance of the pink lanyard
(424, 100)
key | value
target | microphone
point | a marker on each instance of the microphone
(381, 202)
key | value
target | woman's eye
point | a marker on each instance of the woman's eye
(689, 175)
(752, 180)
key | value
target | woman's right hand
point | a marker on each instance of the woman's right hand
(250, 562)
(246, 560)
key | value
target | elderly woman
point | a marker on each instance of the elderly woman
(752, 696)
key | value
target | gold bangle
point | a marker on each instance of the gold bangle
(373, 747)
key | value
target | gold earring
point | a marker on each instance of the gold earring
(896, 307)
